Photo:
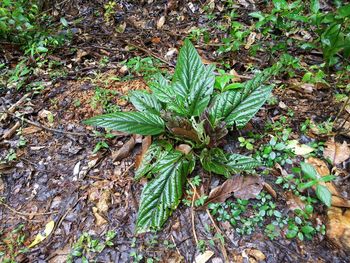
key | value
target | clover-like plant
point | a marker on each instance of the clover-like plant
(187, 111)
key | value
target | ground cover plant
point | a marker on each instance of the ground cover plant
(195, 119)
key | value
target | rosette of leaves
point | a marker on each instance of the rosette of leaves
(189, 111)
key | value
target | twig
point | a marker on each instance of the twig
(11, 131)
(14, 106)
(341, 126)
(149, 53)
(44, 127)
(26, 214)
(223, 249)
(342, 109)
(177, 249)
(192, 213)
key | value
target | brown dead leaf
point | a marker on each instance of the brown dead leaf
(124, 151)
(160, 22)
(204, 257)
(99, 219)
(146, 143)
(294, 202)
(336, 152)
(250, 188)
(256, 254)
(338, 227)
(243, 187)
(224, 191)
(269, 189)
(30, 130)
(184, 148)
(251, 40)
(322, 169)
(80, 54)
(281, 170)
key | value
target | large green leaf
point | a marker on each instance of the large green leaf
(154, 154)
(216, 161)
(223, 104)
(145, 102)
(201, 91)
(130, 122)
(239, 106)
(192, 81)
(163, 194)
(248, 107)
(238, 162)
(161, 89)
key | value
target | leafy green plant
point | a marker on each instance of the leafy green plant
(333, 30)
(12, 244)
(104, 98)
(190, 114)
(276, 151)
(314, 179)
(147, 66)
(300, 225)
(86, 246)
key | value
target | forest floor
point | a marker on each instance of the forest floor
(77, 181)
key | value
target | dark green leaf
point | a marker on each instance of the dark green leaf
(145, 102)
(327, 178)
(248, 107)
(238, 162)
(130, 122)
(192, 81)
(307, 229)
(162, 195)
(315, 6)
(161, 89)
(344, 11)
(215, 160)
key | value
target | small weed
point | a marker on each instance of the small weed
(276, 151)
(12, 244)
(104, 98)
(87, 247)
(146, 67)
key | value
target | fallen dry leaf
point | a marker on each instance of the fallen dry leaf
(224, 191)
(41, 236)
(99, 219)
(161, 22)
(322, 169)
(294, 202)
(338, 227)
(184, 148)
(146, 143)
(243, 187)
(336, 152)
(269, 189)
(124, 151)
(204, 257)
(250, 188)
(251, 40)
(256, 254)
(30, 130)
(299, 149)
